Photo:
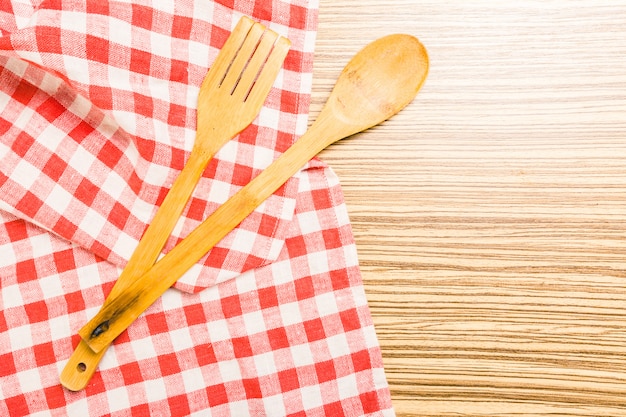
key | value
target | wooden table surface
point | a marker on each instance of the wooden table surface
(490, 214)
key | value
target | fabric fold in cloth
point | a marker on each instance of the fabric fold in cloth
(97, 117)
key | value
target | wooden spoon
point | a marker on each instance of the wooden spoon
(376, 84)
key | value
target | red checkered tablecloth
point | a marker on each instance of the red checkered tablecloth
(97, 117)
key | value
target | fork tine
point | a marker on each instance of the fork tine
(256, 63)
(239, 62)
(269, 72)
(228, 52)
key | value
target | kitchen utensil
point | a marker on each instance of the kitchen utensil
(376, 84)
(230, 98)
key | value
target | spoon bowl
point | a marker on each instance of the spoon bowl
(377, 83)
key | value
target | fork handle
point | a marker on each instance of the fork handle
(83, 362)
(163, 222)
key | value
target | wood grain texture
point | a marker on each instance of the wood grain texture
(490, 215)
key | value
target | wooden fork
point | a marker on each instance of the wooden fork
(230, 98)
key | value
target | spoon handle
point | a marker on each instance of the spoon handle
(124, 308)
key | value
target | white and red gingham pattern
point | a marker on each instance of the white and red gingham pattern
(141, 69)
(15, 14)
(97, 116)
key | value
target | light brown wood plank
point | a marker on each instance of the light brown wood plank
(490, 215)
